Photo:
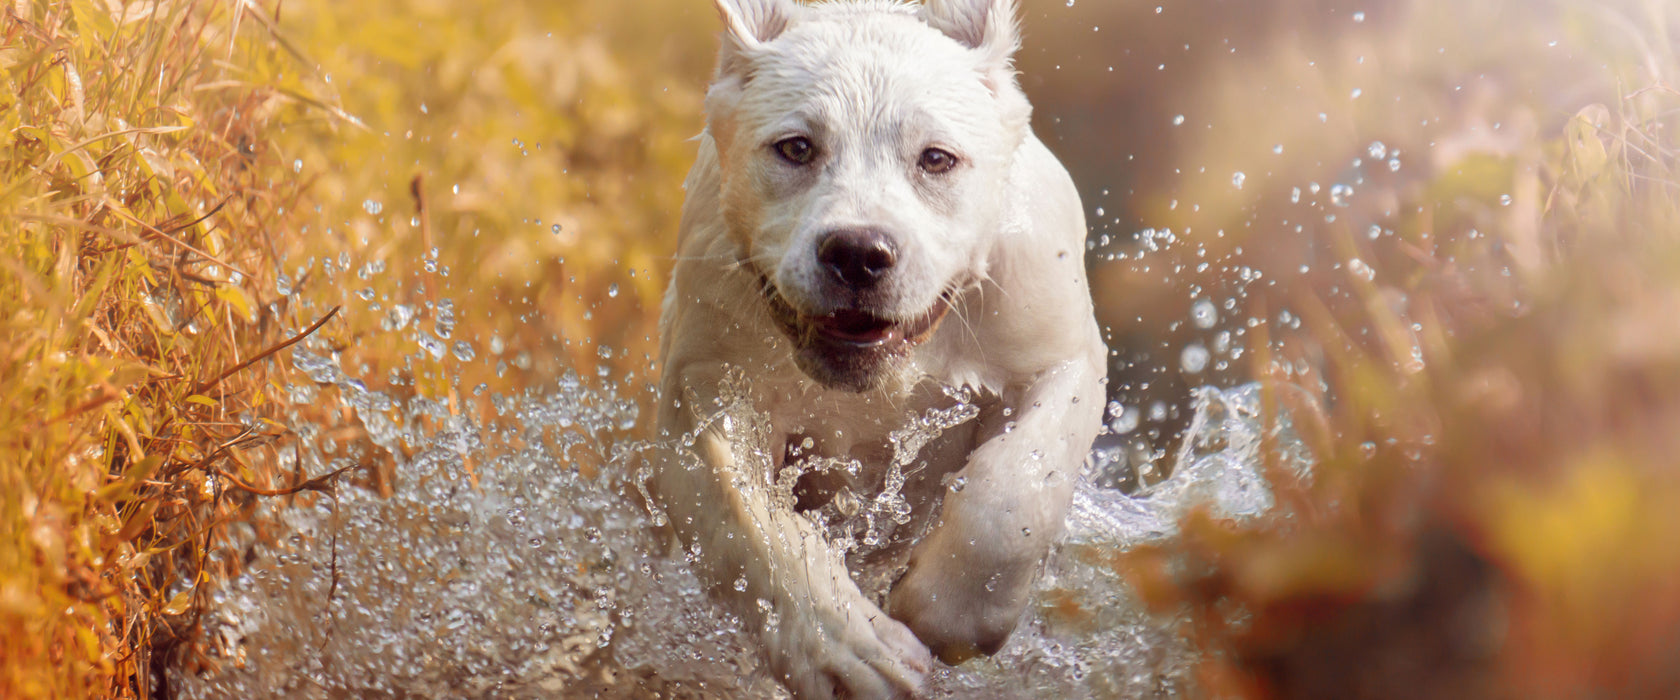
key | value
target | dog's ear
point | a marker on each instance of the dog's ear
(987, 26)
(748, 23)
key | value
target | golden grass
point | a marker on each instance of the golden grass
(136, 243)
(183, 190)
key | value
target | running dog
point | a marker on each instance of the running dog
(872, 235)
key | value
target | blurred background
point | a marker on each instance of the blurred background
(1443, 234)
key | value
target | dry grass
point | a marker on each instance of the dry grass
(137, 247)
(183, 190)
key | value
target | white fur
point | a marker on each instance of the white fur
(874, 83)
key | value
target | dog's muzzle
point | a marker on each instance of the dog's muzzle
(850, 348)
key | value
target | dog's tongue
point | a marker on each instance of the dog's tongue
(856, 327)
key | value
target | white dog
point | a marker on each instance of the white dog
(867, 171)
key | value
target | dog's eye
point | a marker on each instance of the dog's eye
(797, 150)
(937, 161)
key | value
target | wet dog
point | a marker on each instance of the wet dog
(873, 235)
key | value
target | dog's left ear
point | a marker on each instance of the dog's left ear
(987, 26)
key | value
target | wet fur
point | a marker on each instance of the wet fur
(875, 81)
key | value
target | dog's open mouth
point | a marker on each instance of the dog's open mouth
(852, 328)
(865, 329)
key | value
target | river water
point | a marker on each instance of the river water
(545, 579)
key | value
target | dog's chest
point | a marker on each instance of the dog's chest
(842, 445)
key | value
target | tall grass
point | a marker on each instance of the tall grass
(184, 189)
(136, 249)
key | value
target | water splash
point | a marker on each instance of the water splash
(513, 559)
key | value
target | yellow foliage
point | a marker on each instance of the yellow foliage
(1590, 541)
(550, 168)
(186, 185)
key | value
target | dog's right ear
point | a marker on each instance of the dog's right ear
(748, 24)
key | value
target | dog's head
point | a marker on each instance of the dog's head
(863, 148)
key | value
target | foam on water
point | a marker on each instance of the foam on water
(546, 579)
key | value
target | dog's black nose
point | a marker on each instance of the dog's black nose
(859, 258)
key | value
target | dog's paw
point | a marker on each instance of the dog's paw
(848, 650)
(957, 616)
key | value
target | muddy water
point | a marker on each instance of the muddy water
(546, 580)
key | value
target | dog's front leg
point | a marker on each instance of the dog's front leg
(970, 577)
(773, 568)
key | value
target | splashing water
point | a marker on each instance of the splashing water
(503, 565)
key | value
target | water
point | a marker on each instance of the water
(514, 559)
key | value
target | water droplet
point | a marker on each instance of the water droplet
(1203, 314)
(1126, 421)
(1237, 179)
(1340, 194)
(1504, 200)
(1026, 532)
(1178, 120)
(445, 322)
(612, 290)
(372, 207)
(430, 345)
(1193, 359)
(741, 584)
(1358, 17)
(397, 318)
(1377, 150)
(463, 351)
(555, 229)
